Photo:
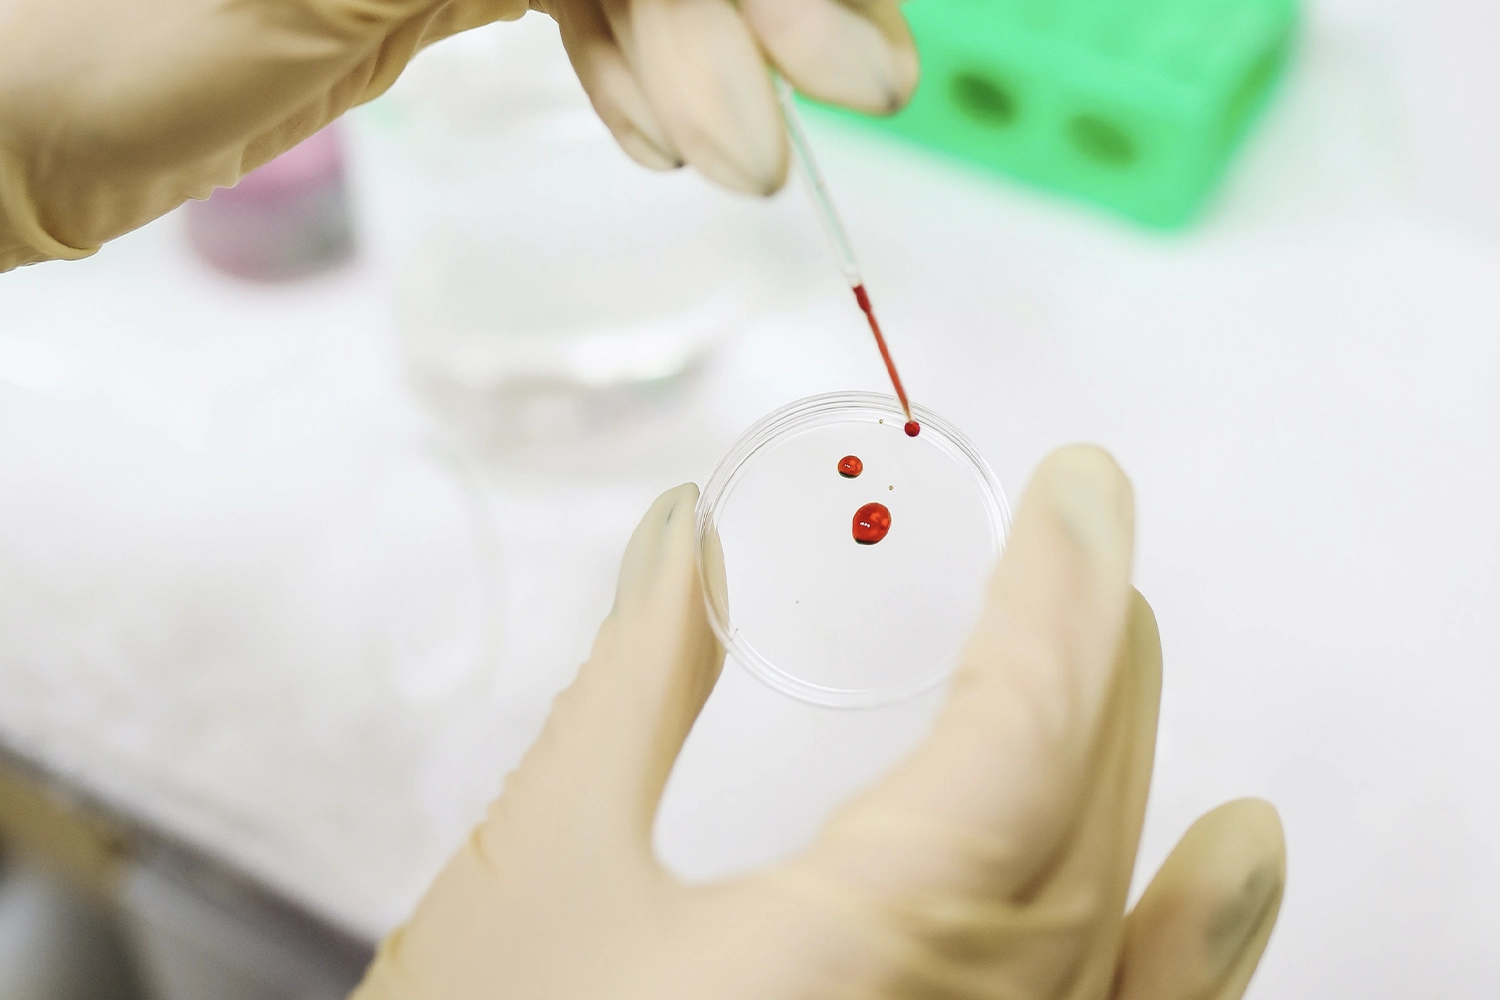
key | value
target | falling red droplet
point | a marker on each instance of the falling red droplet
(850, 466)
(871, 522)
(912, 428)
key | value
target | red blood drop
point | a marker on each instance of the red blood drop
(912, 428)
(850, 466)
(871, 522)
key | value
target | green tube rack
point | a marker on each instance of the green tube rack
(1135, 105)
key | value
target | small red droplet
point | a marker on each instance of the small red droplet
(912, 428)
(850, 466)
(871, 522)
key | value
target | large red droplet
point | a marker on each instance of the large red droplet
(871, 523)
(850, 466)
(912, 428)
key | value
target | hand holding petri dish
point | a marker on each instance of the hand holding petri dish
(843, 561)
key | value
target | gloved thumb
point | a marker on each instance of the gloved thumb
(603, 757)
(1201, 926)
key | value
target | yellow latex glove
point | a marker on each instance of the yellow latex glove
(113, 113)
(993, 863)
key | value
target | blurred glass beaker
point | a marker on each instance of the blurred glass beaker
(544, 285)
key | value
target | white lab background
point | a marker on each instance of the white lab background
(257, 592)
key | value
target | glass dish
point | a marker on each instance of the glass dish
(804, 607)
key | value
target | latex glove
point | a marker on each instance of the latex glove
(683, 80)
(112, 114)
(993, 863)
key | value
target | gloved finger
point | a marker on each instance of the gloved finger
(860, 55)
(586, 791)
(1200, 928)
(706, 78)
(1007, 762)
(614, 734)
(1087, 880)
(1001, 850)
(611, 84)
(985, 924)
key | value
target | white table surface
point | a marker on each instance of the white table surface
(248, 593)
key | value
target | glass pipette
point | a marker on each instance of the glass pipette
(833, 227)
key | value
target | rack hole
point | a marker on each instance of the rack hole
(984, 98)
(1102, 140)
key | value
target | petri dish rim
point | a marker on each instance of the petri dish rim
(804, 414)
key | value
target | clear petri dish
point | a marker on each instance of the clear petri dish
(806, 608)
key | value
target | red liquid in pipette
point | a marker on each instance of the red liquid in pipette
(863, 298)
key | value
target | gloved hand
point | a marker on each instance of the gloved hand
(993, 863)
(111, 114)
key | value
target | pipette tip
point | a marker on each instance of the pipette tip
(838, 237)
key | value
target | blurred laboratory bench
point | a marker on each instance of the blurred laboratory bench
(267, 618)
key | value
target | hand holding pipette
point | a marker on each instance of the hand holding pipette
(231, 86)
